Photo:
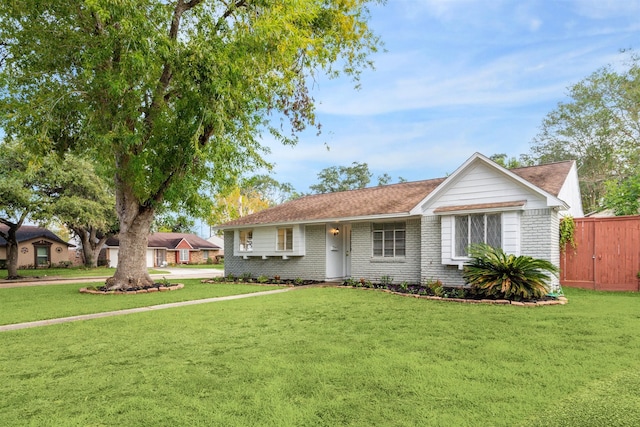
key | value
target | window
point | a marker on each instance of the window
(184, 255)
(285, 239)
(246, 240)
(205, 254)
(477, 228)
(42, 256)
(389, 239)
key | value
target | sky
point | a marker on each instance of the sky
(457, 77)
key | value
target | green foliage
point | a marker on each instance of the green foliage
(436, 287)
(567, 233)
(167, 95)
(263, 279)
(386, 280)
(597, 127)
(173, 224)
(171, 98)
(493, 273)
(623, 195)
(342, 178)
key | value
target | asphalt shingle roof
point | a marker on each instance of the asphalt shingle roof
(385, 200)
(170, 241)
(28, 232)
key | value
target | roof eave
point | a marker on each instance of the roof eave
(377, 217)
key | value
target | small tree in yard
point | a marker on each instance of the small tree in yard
(170, 96)
(19, 199)
(82, 201)
(493, 273)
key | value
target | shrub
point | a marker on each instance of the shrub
(386, 280)
(436, 287)
(263, 279)
(493, 273)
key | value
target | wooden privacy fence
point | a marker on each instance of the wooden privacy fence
(606, 257)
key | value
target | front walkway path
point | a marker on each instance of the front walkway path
(38, 323)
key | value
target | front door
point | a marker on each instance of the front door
(338, 251)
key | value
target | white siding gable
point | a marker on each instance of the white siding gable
(570, 194)
(482, 184)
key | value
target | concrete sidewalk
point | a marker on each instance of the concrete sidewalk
(39, 323)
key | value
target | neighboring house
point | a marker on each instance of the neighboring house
(218, 241)
(167, 248)
(410, 231)
(37, 247)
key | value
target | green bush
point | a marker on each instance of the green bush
(493, 273)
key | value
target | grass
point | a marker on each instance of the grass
(32, 303)
(326, 357)
(71, 272)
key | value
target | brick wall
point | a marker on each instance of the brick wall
(311, 266)
(431, 266)
(364, 265)
(540, 230)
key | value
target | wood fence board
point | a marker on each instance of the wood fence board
(607, 255)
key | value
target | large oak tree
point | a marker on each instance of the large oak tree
(170, 96)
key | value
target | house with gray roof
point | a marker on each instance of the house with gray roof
(37, 247)
(167, 248)
(410, 231)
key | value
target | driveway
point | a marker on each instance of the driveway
(190, 273)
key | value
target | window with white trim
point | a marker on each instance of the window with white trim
(477, 228)
(285, 239)
(246, 240)
(389, 239)
(184, 255)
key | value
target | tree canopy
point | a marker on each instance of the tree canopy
(599, 127)
(170, 96)
(53, 189)
(342, 178)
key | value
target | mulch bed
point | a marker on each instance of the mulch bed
(156, 287)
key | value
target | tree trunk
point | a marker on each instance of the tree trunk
(12, 248)
(91, 245)
(12, 255)
(132, 253)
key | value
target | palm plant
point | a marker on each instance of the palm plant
(494, 273)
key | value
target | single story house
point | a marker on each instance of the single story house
(410, 231)
(218, 241)
(167, 248)
(37, 247)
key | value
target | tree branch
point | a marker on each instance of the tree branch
(230, 9)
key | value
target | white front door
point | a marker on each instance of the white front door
(338, 251)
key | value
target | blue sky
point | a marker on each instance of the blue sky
(458, 76)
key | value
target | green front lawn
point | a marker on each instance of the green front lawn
(32, 303)
(71, 272)
(327, 357)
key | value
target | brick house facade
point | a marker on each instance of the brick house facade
(409, 231)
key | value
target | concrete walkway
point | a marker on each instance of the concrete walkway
(39, 323)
